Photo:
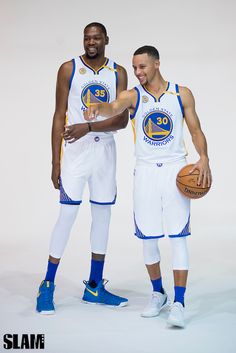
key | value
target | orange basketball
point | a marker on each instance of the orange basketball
(187, 183)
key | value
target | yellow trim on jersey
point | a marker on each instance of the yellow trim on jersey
(133, 128)
(62, 141)
(110, 68)
(174, 93)
(62, 151)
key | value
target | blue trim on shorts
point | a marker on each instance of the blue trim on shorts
(72, 74)
(103, 203)
(71, 202)
(140, 235)
(146, 238)
(64, 198)
(137, 104)
(185, 232)
(179, 236)
(179, 99)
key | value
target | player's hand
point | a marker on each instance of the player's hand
(92, 112)
(74, 132)
(56, 171)
(205, 178)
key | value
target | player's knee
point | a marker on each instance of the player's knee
(68, 213)
(180, 258)
(101, 210)
(151, 252)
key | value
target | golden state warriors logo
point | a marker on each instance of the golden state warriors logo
(94, 93)
(157, 125)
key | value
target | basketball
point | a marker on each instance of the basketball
(187, 183)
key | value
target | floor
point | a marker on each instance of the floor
(79, 327)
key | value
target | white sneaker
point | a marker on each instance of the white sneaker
(157, 303)
(176, 316)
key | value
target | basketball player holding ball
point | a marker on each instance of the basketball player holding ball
(85, 80)
(157, 109)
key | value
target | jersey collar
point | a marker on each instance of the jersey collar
(156, 98)
(96, 72)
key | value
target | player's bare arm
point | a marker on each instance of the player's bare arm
(108, 110)
(62, 91)
(198, 136)
(76, 131)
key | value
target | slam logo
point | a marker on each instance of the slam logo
(24, 341)
(94, 93)
(157, 125)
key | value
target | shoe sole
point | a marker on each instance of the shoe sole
(175, 323)
(51, 312)
(113, 306)
(163, 307)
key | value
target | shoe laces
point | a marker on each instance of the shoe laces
(155, 299)
(178, 306)
(104, 282)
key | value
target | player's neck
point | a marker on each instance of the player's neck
(157, 85)
(95, 63)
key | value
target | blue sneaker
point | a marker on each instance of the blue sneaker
(45, 303)
(99, 295)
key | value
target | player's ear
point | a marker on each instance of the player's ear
(157, 64)
(107, 40)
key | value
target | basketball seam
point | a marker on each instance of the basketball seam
(196, 187)
(181, 176)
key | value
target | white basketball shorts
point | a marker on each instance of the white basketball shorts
(91, 159)
(159, 207)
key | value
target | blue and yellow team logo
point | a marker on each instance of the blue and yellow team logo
(94, 93)
(157, 125)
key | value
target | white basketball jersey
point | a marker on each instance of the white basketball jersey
(158, 125)
(88, 86)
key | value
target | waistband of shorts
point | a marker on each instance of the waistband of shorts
(160, 164)
(100, 134)
(90, 137)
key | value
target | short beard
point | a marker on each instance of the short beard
(91, 57)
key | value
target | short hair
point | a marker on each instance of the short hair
(97, 24)
(149, 50)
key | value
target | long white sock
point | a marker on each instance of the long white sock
(101, 215)
(62, 229)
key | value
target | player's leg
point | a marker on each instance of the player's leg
(148, 227)
(177, 220)
(71, 190)
(180, 267)
(101, 215)
(102, 185)
(152, 259)
(59, 239)
(94, 290)
(151, 254)
(180, 272)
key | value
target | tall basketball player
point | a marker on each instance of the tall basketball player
(157, 109)
(88, 79)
